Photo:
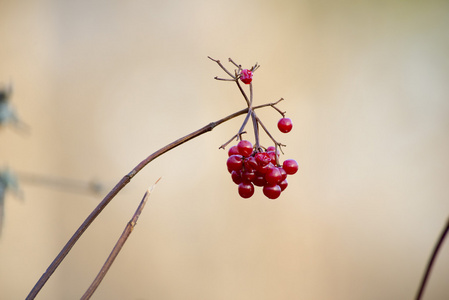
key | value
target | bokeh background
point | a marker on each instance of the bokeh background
(103, 84)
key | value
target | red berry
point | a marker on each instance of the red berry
(245, 148)
(234, 163)
(283, 184)
(236, 177)
(273, 176)
(259, 180)
(285, 125)
(264, 169)
(272, 191)
(271, 148)
(248, 176)
(233, 150)
(246, 189)
(246, 76)
(250, 164)
(263, 158)
(290, 166)
(283, 173)
(272, 157)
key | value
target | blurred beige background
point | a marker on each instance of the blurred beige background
(103, 84)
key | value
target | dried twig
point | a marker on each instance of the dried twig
(118, 246)
(432, 260)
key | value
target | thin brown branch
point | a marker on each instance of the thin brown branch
(119, 245)
(432, 260)
(118, 187)
(223, 79)
(238, 66)
(278, 110)
(256, 130)
(269, 134)
(236, 136)
(243, 93)
(221, 66)
(255, 67)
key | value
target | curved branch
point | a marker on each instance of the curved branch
(118, 187)
(431, 261)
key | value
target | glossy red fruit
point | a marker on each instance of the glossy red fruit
(264, 169)
(272, 157)
(248, 176)
(283, 173)
(246, 189)
(245, 148)
(236, 177)
(285, 125)
(250, 163)
(259, 180)
(234, 163)
(246, 76)
(271, 148)
(272, 191)
(290, 166)
(273, 176)
(263, 158)
(283, 184)
(233, 150)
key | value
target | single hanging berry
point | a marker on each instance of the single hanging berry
(245, 148)
(233, 150)
(272, 191)
(246, 76)
(246, 189)
(285, 125)
(290, 166)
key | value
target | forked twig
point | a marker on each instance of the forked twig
(118, 246)
(221, 66)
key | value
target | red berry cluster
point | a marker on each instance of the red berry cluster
(251, 168)
(254, 165)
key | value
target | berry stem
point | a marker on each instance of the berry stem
(254, 117)
(271, 137)
(243, 93)
(237, 136)
(278, 110)
(256, 130)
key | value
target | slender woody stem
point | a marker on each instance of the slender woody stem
(221, 66)
(432, 260)
(238, 66)
(223, 79)
(237, 136)
(256, 130)
(271, 137)
(118, 246)
(118, 187)
(243, 93)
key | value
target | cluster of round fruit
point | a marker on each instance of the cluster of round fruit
(249, 168)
